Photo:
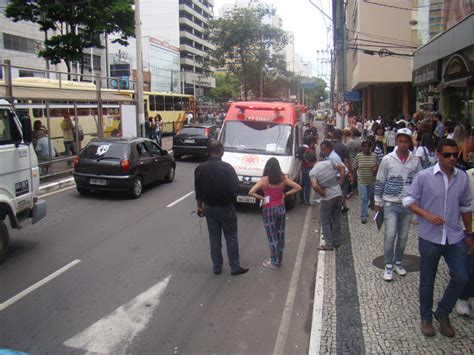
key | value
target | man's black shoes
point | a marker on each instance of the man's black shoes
(217, 272)
(239, 271)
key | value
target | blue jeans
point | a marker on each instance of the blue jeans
(469, 289)
(397, 222)
(223, 218)
(330, 215)
(455, 256)
(305, 184)
(274, 219)
(365, 191)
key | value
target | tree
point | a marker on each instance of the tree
(77, 25)
(246, 44)
(227, 88)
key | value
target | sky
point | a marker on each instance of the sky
(309, 26)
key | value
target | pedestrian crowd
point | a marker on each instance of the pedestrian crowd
(414, 170)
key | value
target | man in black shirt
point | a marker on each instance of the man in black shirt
(216, 183)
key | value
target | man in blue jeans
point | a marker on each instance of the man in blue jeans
(440, 195)
(216, 184)
(394, 177)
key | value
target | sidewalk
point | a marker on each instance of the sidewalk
(63, 181)
(364, 314)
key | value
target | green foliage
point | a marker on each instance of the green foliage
(77, 24)
(227, 88)
(246, 45)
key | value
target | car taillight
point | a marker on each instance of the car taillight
(206, 132)
(76, 162)
(125, 165)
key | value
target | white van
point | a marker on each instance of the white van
(253, 132)
(19, 176)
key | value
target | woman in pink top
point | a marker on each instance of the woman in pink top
(273, 184)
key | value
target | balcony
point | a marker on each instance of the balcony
(190, 23)
(192, 50)
(196, 39)
(193, 12)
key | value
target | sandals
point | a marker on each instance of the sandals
(268, 264)
(325, 248)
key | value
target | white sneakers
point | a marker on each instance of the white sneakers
(389, 269)
(388, 274)
(462, 308)
(400, 270)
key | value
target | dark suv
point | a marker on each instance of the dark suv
(192, 140)
(122, 164)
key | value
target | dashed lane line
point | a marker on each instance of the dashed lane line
(37, 285)
(180, 199)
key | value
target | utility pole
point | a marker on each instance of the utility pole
(139, 86)
(339, 25)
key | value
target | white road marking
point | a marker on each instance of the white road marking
(282, 335)
(317, 320)
(58, 191)
(180, 199)
(40, 283)
(116, 331)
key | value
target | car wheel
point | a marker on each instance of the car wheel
(82, 191)
(137, 187)
(4, 241)
(177, 156)
(170, 176)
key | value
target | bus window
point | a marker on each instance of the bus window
(160, 103)
(168, 103)
(83, 111)
(185, 103)
(177, 103)
(152, 102)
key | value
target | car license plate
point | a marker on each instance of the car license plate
(246, 199)
(98, 182)
(189, 141)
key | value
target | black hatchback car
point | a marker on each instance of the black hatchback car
(192, 140)
(122, 164)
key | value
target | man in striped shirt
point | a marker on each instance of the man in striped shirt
(395, 175)
(365, 166)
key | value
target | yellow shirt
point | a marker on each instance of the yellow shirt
(67, 131)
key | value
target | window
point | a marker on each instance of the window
(185, 103)
(177, 104)
(5, 134)
(168, 103)
(151, 98)
(160, 103)
(21, 44)
(142, 151)
(153, 148)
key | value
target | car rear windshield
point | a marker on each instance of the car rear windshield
(192, 131)
(100, 150)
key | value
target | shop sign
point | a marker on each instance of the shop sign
(457, 67)
(428, 74)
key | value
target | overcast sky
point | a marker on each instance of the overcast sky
(308, 25)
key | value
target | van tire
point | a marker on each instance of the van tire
(290, 202)
(4, 241)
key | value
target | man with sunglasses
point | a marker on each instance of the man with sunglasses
(440, 195)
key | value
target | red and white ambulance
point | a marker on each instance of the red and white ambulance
(255, 131)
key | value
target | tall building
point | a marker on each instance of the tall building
(379, 49)
(21, 41)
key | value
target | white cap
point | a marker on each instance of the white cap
(405, 131)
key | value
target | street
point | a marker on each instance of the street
(141, 279)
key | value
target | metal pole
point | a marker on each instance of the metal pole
(100, 128)
(139, 90)
(194, 75)
(107, 60)
(8, 80)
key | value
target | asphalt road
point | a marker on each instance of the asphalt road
(143, 280)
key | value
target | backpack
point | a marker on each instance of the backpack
(426, 162)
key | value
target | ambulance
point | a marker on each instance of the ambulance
(255, 131)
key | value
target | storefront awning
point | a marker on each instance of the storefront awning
(458, 83)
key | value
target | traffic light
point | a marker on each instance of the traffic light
(435, 104)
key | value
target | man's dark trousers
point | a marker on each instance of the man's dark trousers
(455, 256)
(223, 218)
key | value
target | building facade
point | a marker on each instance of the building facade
(21, 41)
(443, 70)
(379, 57)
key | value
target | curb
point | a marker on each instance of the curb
(57, 185)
